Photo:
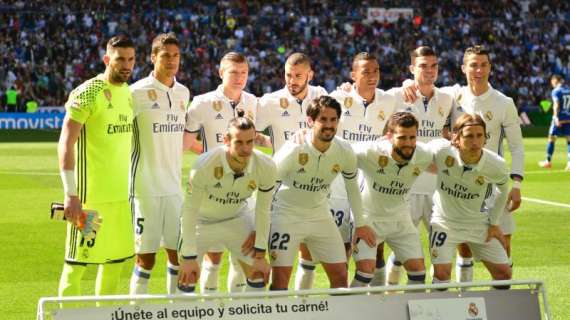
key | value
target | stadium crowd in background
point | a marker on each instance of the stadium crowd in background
(47, 48)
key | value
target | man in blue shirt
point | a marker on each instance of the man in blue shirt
(560, 119)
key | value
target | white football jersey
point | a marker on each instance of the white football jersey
(500, 115)
(210, 113)
(216, 193)
(284, 114)
(459, 200)
(386, 182)
(306, 174)
(433, 115)
(159, 120)
(361, 122)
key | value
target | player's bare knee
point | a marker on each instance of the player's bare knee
(414, 265)
(442, 273)
(464, 251)
(214, 257)
(304, 252)
(172, 256)
(502, 272)
(380, 252)
(367, 266)
(146, 260)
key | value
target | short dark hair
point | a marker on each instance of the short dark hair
(362, 56)
(477, 50)
(298, 58)
(163, 39)
(120, 41)
(319, 104)
(422, 51)
(401, 119)
(241, 123)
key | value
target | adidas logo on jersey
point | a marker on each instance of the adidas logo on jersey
(219, 117)
(408, 109)
(460, 109)
(446, 171)
(218, 185)
(347, 113)
(302, 170)
(285, 114)
(155, 106)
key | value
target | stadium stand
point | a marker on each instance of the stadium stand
(49, 47)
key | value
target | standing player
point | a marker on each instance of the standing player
(300, 210)
(432, 110)
(208, 115)
(501, 118)
(283, 111)
(389, 168)
(98, 124)
(465, 171)
(560, 119)
(365, 111)
(159, 103)
(216, 210)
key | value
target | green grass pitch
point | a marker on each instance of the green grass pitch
(33, 246)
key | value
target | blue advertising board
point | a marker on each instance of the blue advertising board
(38, 120)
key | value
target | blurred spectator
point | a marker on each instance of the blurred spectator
(48, 47)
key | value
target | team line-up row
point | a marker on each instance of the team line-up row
(352, 154)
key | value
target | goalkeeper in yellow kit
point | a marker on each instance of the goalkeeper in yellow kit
(94, 154)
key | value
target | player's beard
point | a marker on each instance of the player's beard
(401, 153)
(299, 88)
(121, 76)
(323, 137)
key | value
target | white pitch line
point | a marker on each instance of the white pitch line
(30, 173)
(546, 171)
(556, 204)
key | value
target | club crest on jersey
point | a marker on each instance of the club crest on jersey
(348, 102)
(488, 115)
(108, 96)
(480, 180)
(336, 168)
(449, 161)
(434, 253)
(440, 111)
(251, 186)
(417, 171)
(381, 115)
(218, 172)
(217, 105)
(152, 94)
(303, 158)
(283, 103)
(85, 253)
(382, 161)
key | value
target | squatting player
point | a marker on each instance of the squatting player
(390, 167)
(465, 170)
(560, 119)
(500, 115)
(300, 209)
(208, 115)
(216, 212)
(94, 153)
(159, 104)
